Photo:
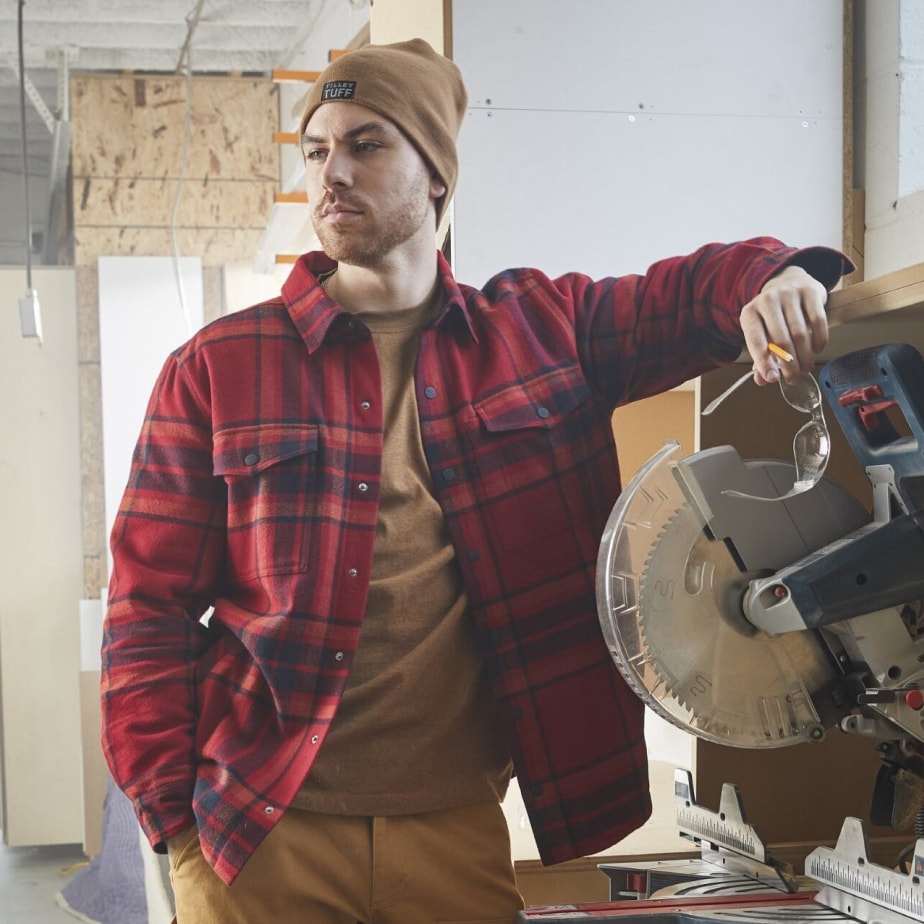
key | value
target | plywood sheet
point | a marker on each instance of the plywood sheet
(134, 126)
(149, 203)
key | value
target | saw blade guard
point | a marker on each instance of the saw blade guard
(675, 561)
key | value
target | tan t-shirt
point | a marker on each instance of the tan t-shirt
(417, 729)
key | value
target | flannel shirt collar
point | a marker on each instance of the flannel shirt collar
(315, 315)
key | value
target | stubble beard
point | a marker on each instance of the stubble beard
(368, 247)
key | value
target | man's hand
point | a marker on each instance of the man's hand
(790, 312)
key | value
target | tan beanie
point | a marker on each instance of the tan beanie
(411, 85)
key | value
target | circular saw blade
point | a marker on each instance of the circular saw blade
(670, 603)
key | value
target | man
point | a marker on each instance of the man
(391, 488)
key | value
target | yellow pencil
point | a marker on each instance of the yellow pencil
(786, 357)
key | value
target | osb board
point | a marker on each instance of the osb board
(203, 203)
(128, 156)
(214, 246)
(94, 538)
(134, 126)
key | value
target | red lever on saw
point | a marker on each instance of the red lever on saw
(869, 409)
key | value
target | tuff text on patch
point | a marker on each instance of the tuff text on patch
(338, 89)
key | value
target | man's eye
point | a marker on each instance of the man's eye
(363, 147)
(315, 154)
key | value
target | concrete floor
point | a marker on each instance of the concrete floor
(31, 877)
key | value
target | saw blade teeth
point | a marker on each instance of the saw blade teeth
(726, 681)
(682, 641)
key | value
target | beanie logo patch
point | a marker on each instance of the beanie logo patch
(338, 89)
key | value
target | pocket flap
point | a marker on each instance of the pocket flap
(249, 450)
(540, 402)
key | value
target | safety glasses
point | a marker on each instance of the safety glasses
(811, 446)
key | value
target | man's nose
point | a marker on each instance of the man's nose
(337, 170)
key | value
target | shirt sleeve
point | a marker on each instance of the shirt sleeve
(639, 335)
(167, 555)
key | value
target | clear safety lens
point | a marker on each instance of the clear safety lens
(811, 446)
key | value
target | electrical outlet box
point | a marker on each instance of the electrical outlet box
(30, 318)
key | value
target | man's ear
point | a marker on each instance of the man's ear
(437, 187)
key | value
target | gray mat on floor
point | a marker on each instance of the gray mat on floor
(111, 888)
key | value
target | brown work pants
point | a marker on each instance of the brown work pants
(447, 866)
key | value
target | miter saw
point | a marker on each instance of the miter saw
(762, 625)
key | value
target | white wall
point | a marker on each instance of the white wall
(400, 20)
(41, 565)
(626, 131)
(148, 306)
(893, 174)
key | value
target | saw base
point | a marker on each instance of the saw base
(736, 878)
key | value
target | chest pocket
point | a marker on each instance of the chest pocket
(272, 475)
(530, 453)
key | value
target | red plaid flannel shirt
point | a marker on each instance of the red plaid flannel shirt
(254, 489)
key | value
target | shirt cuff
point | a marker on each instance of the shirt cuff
(825, 264)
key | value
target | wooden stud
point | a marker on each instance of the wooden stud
(900, 290)
(296, 197)
(287, 76)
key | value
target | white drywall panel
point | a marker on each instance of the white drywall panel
(41, 565)
(669, 56)
(609, 193)
(626, 131)
(144, 314)
(911, 169)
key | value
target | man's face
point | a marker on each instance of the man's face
(369, 190)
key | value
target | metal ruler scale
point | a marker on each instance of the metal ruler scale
(865, 890)
(725, 828)
(737, 847)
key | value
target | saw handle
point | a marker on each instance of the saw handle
(861, 388)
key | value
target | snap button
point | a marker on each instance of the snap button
(363, 486)
(543, 412)
(365, 405)
(314, 739)
(269, 810)
(449, 474)
(352, 572)
(338, 656)
(430, 391)
(251, 458)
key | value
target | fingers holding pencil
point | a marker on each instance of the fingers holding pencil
(785, 326)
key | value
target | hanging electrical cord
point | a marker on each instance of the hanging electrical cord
(29, 318)
(185, 59)
(25, 151)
